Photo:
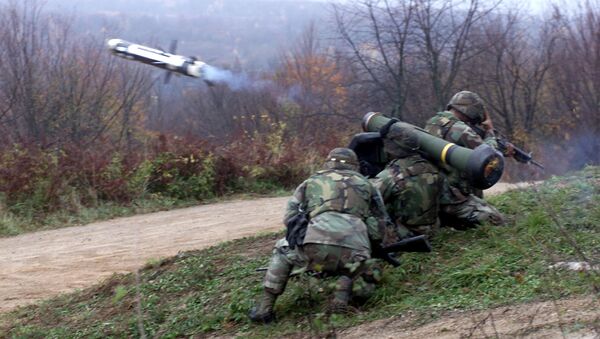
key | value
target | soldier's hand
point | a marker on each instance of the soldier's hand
(487, 123)
(510, 150)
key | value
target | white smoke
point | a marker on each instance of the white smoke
(235, 81)
(242, 81)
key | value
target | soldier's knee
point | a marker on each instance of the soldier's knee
(281, 246)
(278, 272)
(275, 290)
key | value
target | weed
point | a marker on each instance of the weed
(209, 292)
(120, 293)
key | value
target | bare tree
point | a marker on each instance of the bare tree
(444, 41)
(64, 86)
(7, 98)
(576, 83)
(413, 49)
(511, 75)
(376, 33)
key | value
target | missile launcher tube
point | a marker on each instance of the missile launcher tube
(483, 165)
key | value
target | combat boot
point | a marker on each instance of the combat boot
(362, 291)
(263, 313)
(341, 296)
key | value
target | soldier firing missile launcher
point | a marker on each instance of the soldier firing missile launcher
(484, 165)
(189, 66)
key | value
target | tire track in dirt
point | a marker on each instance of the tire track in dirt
(40, 265)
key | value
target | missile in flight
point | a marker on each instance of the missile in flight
(172, 62)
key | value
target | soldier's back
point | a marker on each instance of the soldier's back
(339, 204)
(411, 187)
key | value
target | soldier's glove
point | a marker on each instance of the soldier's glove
(368, 170)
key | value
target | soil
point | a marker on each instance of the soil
(569, 318)
(40, 265)
(43, 264)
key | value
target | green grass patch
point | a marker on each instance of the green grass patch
(209, 292)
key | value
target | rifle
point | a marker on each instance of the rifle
(417, 244)
(519, 155)
(296, 228)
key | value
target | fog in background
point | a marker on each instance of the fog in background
(221, 32)
(247, 33)
(287, 90)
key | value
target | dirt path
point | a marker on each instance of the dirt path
(39, 265)
(569, 318)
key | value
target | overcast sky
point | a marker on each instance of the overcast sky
(533, 6)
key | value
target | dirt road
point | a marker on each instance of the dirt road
(39, 265)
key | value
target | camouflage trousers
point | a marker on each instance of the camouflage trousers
(429, 230)
(326, 260)
(470, 213)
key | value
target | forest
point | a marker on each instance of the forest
(79, 127)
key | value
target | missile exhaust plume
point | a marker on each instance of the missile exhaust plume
(189, 66)
(218, 75)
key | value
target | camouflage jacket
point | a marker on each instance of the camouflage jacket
(448, 127)
(345, 209)
(410, 188)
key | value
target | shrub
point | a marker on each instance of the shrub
(36, 181)
(184, 169)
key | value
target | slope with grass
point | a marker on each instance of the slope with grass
(208, 292)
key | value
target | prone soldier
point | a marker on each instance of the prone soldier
(462, 205)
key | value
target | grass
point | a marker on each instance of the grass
(12, 224)
(209, 292)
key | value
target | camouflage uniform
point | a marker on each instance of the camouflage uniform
(410, 185)
(462, 204)
(346, 216)
(410, 188)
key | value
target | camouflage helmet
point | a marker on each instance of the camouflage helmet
(469, 104)
(342, 158)
(400, 142)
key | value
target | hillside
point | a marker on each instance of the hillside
(208, 292)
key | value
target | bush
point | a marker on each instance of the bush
(35, 181)
(182, 168)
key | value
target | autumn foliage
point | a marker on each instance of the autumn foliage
(79, 126)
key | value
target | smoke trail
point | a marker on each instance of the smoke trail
(235, 81)
(242, 81)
